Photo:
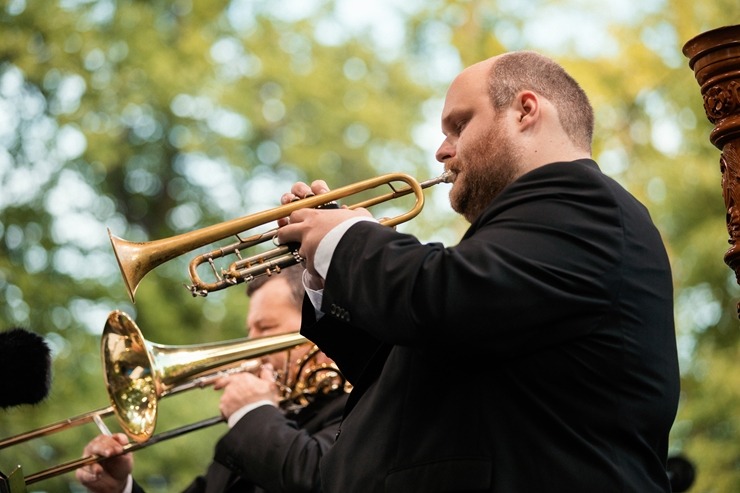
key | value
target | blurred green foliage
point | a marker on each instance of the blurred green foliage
(157, 118)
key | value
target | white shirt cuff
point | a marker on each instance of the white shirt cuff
(129, 484)
(241, 412)
(314, 295)
(322, 259)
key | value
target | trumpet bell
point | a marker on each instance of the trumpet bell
(136, 259)
(129, 258)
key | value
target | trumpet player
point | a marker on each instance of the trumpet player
(266, 450)
(539, 353)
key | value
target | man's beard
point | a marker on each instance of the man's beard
(486, 169)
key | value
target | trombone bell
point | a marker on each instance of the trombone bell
(138, 373)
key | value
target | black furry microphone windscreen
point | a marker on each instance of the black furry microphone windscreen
(25, 368)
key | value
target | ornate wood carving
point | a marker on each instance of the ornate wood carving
(714, 56)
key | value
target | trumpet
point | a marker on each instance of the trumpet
(136, 259)
(139, 373)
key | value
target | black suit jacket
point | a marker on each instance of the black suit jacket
(268, 452)
(536, 355)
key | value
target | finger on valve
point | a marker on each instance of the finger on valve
(301, 190)
(319, 186)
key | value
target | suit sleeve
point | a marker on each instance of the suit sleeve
(548, 245)
(351, 349)
(197, 486)
(271, 451)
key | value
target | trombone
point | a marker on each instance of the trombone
(136, 259)
(138, 373)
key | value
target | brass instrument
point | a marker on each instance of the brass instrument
(138, 373)
(136, 259)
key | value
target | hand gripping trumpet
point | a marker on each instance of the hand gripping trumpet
(136, 259)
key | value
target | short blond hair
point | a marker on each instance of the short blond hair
(517, 71)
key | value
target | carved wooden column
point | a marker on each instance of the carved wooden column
(714, 56)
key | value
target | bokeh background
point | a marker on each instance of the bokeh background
(154, 118)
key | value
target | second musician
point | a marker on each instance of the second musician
(265, 449)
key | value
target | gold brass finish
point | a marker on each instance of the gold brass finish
(138, 373)
(56, 427)
(136, 259)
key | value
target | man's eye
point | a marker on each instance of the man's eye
(461, 125)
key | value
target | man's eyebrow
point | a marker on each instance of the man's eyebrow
(453, 116)
(448, 119)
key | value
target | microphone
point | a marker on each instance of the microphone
(681, 473)
(25, 368)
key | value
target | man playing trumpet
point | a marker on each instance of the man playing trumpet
(537, 354)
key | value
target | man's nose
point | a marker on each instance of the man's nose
(445, 151)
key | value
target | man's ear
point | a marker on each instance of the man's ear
(528, 108)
